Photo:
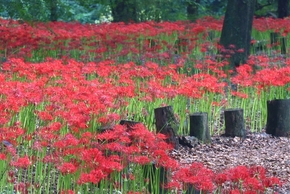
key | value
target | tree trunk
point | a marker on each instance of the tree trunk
(124, 10)
(167, 124)
(53, 10)
(278, 41)
(236, 31)
(283, 8)
(192, 10)
(282, 11)
(278, 119)
(199, 127)
(234, 122)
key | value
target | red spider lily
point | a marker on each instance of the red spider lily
(2, 156)
(244, 76)
(134, 192)
(86, 138)
(11, 150)
(114, 134)
(22, 162)
(67, 168)
(235, 191)
(196, 175)
(114, 146)
(11, 133)
(238, 173)
(37, 146)
(95, 176)
(173, 185)
(258, 172)
(239, 94)
(45, 116)
(68, 140)
(271, 181)
(92, 156)
(142, 160)
(220, 178)
(67, 192)
(22, 188)
(204, 183)
(253, 184)
(161, 158)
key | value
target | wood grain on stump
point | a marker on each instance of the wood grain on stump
(234, 123)
(278, 117)
(199, 127)
(167, 124)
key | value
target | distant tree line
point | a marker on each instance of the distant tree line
(90, 11)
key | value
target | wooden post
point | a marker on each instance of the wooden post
(199, 127)
(234, 122)
(278, 117)
(167, 124)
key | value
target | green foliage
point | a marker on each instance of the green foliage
(96, 11)
(212, 7)
(263, 7)
(27, 10)
(169, 10)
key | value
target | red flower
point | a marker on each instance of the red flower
(23, 162)
(142, 160)
(253, 184)
(220, 178)
(67, 168)
(67, 192)
(134, 192)
(236, 191)
(21, 187)
(205, 184)
(2, 156)
(238, 173)
(271, 181)
(94, 176)
(258, 172)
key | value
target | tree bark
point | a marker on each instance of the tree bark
(278, 119)
(53, 10)
(167, 124)
(283, 8)
(282, 11)
(124, 10)
(234, 122)
(199, 127)
(192, 10)
(237, 28)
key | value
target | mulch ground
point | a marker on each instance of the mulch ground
(273, 153)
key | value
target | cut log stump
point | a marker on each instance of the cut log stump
(234, 123)
(199, 127)
(167, 124)
(278, 117)
(129, 124)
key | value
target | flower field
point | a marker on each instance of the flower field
(64, 87)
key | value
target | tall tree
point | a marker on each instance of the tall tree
(236, 31)
(282, 11)
(283, 8)
(192, 10)
(53, 10)
(124, 10)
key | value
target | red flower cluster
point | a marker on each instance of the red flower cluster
(241, 179)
